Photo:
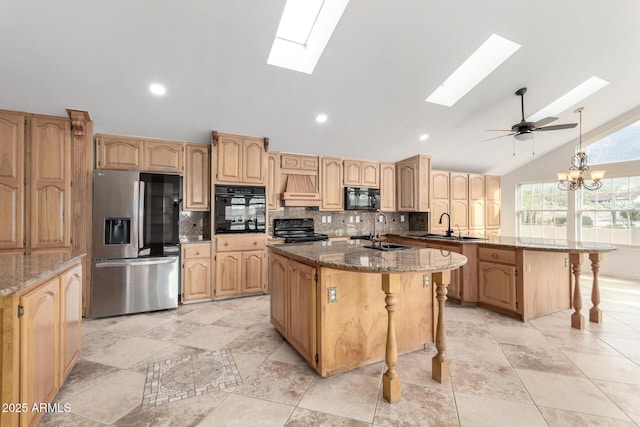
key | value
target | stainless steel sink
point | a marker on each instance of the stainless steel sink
(388, 247)
(443, 237)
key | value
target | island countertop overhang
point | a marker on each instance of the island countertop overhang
(352, 255)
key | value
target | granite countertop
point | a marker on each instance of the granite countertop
(193, 239)
(352, 255)
(20, 271)
(553, 245)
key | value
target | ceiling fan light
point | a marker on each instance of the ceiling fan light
(524, 136)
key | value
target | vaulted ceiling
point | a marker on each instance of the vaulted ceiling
(384, 58)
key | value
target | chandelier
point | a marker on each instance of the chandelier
(574, 179)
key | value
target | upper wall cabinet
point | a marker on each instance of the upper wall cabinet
(492, 208)
(197, 179)
(359, 173)
(135, 153)
(331, 189)
(118, 152)
(440, 191)
(11, 179)
(273, 180)
(476, 202)
(387, 187)
(413, 175)
(239, 159)
(459, 200)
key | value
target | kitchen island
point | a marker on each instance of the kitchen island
(342, 305)
(522, 277)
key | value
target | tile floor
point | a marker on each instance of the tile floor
(503, 372)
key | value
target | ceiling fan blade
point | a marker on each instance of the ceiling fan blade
(496, 137)
(558, 127)
(497, 130)
(545, 121)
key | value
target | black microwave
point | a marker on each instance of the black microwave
(365, 199)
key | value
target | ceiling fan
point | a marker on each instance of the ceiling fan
(524, 130)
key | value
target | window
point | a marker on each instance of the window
(542, 211)
(612, 213)
(620, 146)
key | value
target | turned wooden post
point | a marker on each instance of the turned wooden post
(595, 314)
(439, 363)
(390, 379)
(577, 319)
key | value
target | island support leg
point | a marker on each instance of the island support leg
(390, 380)
(595, 314)
(439, 363)
(577, 319)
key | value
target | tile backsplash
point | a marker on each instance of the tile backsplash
(194, 224)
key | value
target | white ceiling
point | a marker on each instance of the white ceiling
(383, 60)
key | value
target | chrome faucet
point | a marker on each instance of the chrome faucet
(459, 232)
(448, 232)
(375, 238)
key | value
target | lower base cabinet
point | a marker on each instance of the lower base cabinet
(196, 272)
(240, 264)
(41, 343)
(498, 285)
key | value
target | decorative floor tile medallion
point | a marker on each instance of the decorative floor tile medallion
(190, 376)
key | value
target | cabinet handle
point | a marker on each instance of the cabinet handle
(494, 255)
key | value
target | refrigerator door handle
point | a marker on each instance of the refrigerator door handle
(133, 263)
(141, 216)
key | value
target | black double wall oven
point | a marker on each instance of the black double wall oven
(239, 209)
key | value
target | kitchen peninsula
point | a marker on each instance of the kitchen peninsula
(328, 300)
(522, 277)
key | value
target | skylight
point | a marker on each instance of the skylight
(479, 65)
(304, 30)
(575, 95)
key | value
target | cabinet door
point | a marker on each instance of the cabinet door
(370, 174)
(229, 159)
(302, 309)
(309, 163)
(50, 185)
(70, 318)
(253, 269)
(387, 187)
(476, 202)
(273, 181)
(331, 189)
(498, 285)
(163, 156)
(228, 273)
(440, 184)
(11, 180)
(253, 161)
(39, 348)
(278, 288)
(118, 153)
(197, 178)
(196, 282)
(492, 193)
(459, 200)
(352, 173)
(407, 173)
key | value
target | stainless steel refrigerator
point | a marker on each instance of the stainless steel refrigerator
(135, 252)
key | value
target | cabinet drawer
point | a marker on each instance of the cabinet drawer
(504, 256)
(197, 250)
(240, 243)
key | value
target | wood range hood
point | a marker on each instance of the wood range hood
(301, 190)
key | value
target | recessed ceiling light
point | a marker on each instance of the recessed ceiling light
(575, 95)
(424, 137)
(304, 30)
(479, 65)
(157, 89)
(321, 118)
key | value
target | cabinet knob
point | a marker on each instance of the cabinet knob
(226, 243)
(255, 243)
(197, 253)
(494, 255)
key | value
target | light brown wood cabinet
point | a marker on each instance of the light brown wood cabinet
(240, 265)
(298, 162)
(40, 335)
(360, 173)
(293, 304)
(118, 152)
(163, 156)
(273, 180)
(197, 273)
(493, 201)
(240, 159)
(197, 179)
(440, 184)
(413, 180)
(12, 133)
(387, 187)
(476, 203)
(331, 189)
(498, 285)
(459, 201)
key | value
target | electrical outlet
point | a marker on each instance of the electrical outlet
(324, 219)
(357, 218)
(426, 280)
(401, 218)
(328, 219)
(332, 295)
(351, 219)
